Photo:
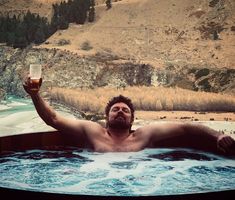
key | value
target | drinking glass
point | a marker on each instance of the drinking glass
(35, 72)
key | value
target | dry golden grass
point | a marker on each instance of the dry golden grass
(145, 98)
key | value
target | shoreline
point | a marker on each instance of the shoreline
(184, 116)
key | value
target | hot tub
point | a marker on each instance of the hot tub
(50, 165)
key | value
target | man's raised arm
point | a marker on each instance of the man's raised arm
(49, 116)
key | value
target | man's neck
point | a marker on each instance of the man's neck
(117, 134)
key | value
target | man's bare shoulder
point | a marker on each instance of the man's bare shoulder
(88, 124)
(161, 126)
(79, 126)
(92, 127)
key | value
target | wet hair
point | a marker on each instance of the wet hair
(120, 99)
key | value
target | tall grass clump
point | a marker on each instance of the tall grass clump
(145, 98)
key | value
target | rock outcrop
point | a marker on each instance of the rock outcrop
(66, 69)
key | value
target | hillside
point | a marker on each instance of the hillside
(174, 43)
(149, 31)
(42, 7)
(159, 32)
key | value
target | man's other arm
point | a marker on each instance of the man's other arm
(187, 135)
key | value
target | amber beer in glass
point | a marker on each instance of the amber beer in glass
(35, 72)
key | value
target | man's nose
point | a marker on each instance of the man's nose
(120, 111)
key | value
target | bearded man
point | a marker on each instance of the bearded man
(118, 136)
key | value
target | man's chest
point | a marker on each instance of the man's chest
(108, 145)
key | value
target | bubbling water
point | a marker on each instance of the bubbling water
(145, 173)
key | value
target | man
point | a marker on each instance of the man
(117, 136)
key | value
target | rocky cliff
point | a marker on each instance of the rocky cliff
(66, 69)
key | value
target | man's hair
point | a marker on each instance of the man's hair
(120, 99)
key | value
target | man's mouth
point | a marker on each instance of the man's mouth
(120, 117)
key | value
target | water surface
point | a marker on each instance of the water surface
(148, 172)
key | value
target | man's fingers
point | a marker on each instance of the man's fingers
(228, 141)
(221, 149)
(40, 82)
(225, 143)
(26, 81)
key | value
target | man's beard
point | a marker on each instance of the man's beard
(119, 124)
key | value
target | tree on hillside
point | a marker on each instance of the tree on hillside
(39, 36)
(21, 31)
(55, 19)
(91, 13)
(63, 23)
(10, 40)
(70, 11)
(108, 4)
(20, 36)
(83, 7)
(3, 36)
(30, 21)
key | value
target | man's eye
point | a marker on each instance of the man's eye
(126, 110)
(115, 109)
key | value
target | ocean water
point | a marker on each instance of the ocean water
(145, 173)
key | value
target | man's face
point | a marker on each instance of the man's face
(119, 116)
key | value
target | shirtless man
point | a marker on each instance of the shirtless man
(117, 136)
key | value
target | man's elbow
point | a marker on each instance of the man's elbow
(52, 121)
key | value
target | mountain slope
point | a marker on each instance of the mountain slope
(43, 7)
(159, 32)
(178, 31)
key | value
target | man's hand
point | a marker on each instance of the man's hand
(30, 87)
(226, 144)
